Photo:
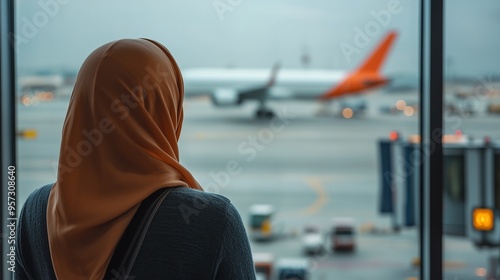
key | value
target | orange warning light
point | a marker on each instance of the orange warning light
(483, 219)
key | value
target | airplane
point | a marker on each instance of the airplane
(232, 87)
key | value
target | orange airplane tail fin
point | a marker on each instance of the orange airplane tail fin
(377, 57)
(367, 75)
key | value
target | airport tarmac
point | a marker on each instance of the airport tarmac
(310, 168)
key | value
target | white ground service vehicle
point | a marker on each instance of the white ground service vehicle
(312, 240)
(292, 269)
(260, 222)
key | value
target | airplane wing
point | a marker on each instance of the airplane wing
(231, 97)
(261, 93)
(226, 97)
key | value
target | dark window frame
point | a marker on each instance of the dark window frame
(431, 131)
(7, 120)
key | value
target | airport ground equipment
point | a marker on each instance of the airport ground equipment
(261, 228)
(493, 108)
(313, 240)
(342, 235)
(264, 264)
(292, 269)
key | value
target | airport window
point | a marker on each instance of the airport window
(469, 114)
(284, 105)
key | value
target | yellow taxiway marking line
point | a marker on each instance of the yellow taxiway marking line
(321, 200)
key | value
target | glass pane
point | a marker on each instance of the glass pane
(471, 94)
(323, 173)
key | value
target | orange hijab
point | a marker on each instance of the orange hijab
(119, 145)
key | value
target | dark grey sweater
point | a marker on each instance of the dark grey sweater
(194, 235)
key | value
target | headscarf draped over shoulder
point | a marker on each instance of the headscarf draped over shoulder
(119, 145)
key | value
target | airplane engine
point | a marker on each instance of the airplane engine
(226, 98)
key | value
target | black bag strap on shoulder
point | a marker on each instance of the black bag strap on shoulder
(130, 244)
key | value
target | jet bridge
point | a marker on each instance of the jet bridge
(471, 183)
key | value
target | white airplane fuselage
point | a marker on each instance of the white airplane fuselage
(289, 83)
(233, 87)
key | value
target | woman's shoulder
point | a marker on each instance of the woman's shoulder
(32, 241)
(199, 199)
(38, 199)
(192, 206)
(32, 216)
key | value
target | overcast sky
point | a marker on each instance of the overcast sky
(60, 34)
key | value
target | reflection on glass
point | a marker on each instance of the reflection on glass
(454, 177)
